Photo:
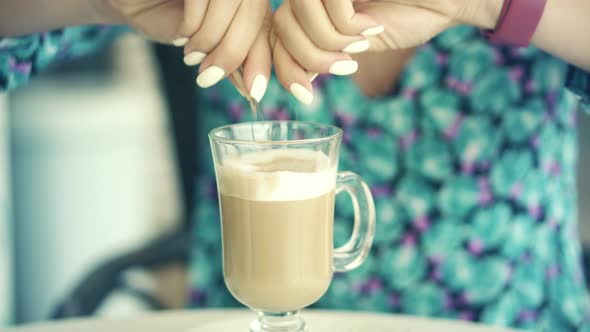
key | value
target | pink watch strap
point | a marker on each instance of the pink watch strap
(518, 22)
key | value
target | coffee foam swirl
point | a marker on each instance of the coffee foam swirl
(277, 175)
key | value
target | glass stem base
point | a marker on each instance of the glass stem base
(279, 322)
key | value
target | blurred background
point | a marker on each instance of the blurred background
(97, 161)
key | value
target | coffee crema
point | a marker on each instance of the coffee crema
(277, 210)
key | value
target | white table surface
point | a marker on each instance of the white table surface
(238, 320)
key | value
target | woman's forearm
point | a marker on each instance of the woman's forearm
(564, 31)
(21, 17)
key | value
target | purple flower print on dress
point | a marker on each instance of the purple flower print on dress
(534, 210)
(467, 167)
(498, 57)
(485, 192)
(345, 119)
(572, 120)
(65, 51)
(552, 271)
(467, 316)
(530, 86)
(552, 168)
(464, 88)
(527, 316)
(476, 247)
(381, 190)
(422, 223)
(346, 138)
(282, 115)
(209, 188)
(452, 82)
(516, 190)
(453, 130)
(441, 58)
(198, 296)
(409, 239)
(516, 74)
(535, 142)
(553, 223)
(449, 301)
(408, 139)
(435, 260)
(23, 68)
(552, 99)
(410, 93)
(526, 257)
(372, 286)
(394, 300)
(235, 111)
(436, 275)
(374, 132)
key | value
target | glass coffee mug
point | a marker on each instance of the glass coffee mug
(277, 181)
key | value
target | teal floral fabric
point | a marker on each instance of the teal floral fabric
(471, 161)
(472, 164)
(20, 58)
(579, 82)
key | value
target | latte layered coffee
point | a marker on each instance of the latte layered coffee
(277, 220)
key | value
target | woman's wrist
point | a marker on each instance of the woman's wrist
(105, 12)
(483, 14)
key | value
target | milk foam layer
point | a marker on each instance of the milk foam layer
(277, 175)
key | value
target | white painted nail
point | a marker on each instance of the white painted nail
(301, 93)
(373, 31)
(179, 42)
(312, 76)
(194, 58)
(258, 87)
(357, 47)
(210, 76)
(344, 67)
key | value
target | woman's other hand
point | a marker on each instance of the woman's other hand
(411, 23)
(220, 35)
(318, 36)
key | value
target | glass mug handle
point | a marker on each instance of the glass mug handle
(355, 251)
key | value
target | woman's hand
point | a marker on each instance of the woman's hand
(315, 36)
(410, 23)
(220, 35)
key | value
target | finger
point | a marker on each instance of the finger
(194, 12)
(316, 23)
(346, 21)
(231, 52)
(291, 75)
(304, 51)
(217, 19)
(258, 62)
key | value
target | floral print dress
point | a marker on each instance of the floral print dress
(472, 164)
(471, 161)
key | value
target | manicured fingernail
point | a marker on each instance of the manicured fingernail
(344, 67)
(373, 31)
(210, 76)
(194, 58)
(258, 87)
(301, 93)
(180, 42)
(312, 76)
(357, 47)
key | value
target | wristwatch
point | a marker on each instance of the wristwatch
(517, 23)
